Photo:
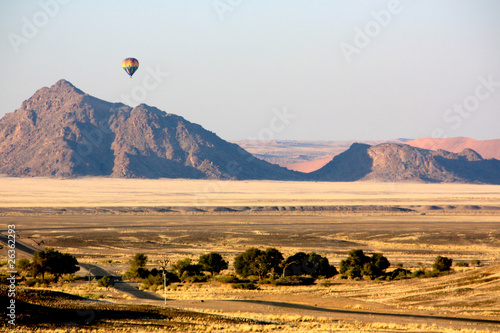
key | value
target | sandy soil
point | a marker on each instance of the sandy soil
(108, 192)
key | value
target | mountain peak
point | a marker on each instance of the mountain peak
(66, 86)
(61, 131)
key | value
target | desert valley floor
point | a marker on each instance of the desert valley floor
(104, 222)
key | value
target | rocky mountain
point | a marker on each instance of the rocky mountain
(63, 132)
(303, 156)
(486, 148)
(400, 162)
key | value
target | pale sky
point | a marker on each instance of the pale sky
(270, 69)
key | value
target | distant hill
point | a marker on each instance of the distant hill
(63, 132)
(303, 156)
(486, 148)
(403, 163)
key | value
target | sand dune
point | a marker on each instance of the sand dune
(486, 148)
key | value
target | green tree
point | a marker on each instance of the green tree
(54, 262)
(308, 264)
(442, 264)
(257, 262)
(139, 260)
(212, 262)
(358, 264)
(137, 268)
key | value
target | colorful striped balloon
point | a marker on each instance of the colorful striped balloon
(130, 65)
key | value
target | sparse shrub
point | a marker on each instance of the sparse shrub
(475, 262)
(442, 264)
(461, 264)
(23, 264)
(4, 263)
(293, 281)
(228, 279)
(106, 282)
(93, 296)
(433, 273)
(186, 277)
(72, 277)
(245, 285)
(399, 274)
(34, 282)
(420, 273)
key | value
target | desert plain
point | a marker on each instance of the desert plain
(105, 221)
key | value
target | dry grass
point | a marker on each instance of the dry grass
(99, 235)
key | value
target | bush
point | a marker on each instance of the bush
(293, 281)
(399, 274)
(245, 285)
(475, 262)
(72, 277)
(418, 274)
(186, 277)
(106, 282)
(461, 264)
(442, 264)
(228, 279)
(35, 282)
(135, 273)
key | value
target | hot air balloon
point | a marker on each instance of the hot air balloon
(130, 65)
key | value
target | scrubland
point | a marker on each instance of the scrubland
(103, 222)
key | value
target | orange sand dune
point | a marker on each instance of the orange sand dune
(486, 148)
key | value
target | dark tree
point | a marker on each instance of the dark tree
(442, 264)
(308, 264)
(54, 262)
(212, 262)
(358, 264)
(139, 260)
(257, 262)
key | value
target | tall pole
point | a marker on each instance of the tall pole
(165, 286)
(163, 265)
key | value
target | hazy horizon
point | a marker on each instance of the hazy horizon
(282, 70)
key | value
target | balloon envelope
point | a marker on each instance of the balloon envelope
(130, 65)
